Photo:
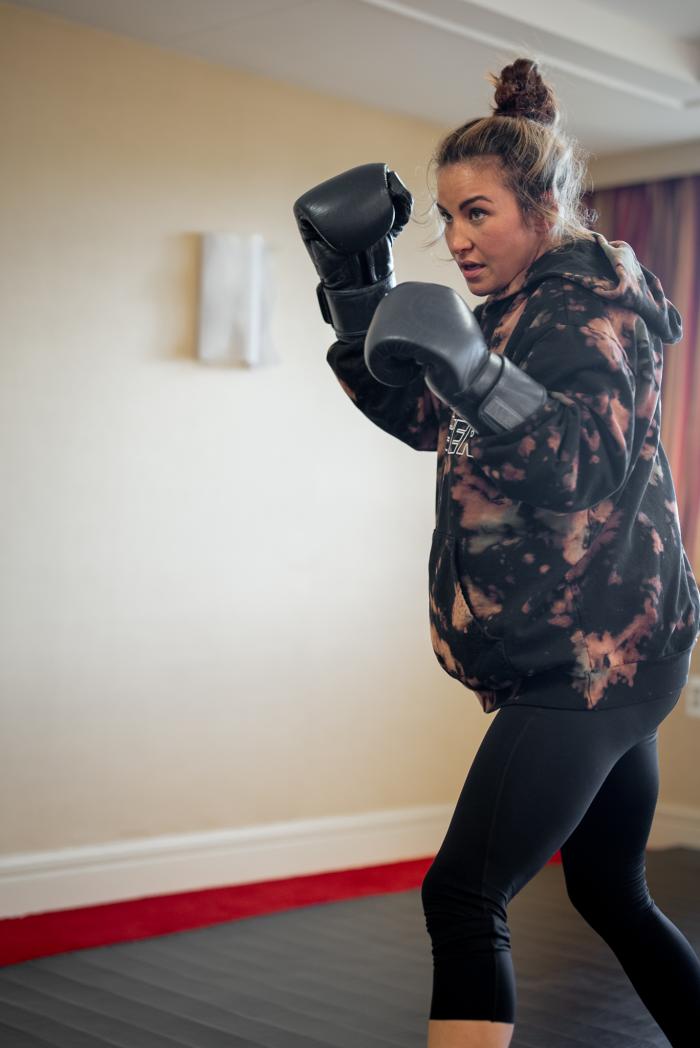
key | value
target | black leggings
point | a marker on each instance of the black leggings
(582, 781)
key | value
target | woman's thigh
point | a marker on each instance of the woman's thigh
(532, 781)
(608, 845)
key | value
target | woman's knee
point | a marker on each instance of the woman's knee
(463, 915)
(611, 897)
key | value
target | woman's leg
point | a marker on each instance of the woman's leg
(504, 829)
(532, 781)
(605, 871)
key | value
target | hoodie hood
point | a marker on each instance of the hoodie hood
(612, 271)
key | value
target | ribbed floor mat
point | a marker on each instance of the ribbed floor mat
(352, 974)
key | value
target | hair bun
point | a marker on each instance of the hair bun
(521, 92)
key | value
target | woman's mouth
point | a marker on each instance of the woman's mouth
(470, 269)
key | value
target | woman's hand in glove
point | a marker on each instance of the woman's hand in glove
(430, 325)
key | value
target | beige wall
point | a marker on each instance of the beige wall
(645, 165)
(214, 598)
(214, 607)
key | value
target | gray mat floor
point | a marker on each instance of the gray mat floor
(352, 974)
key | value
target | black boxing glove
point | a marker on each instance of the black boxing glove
(431, 326)
(348, 224)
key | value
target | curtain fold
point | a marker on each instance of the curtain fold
(661, 221)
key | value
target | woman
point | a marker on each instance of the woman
(560, 592)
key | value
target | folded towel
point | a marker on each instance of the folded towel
(235, 301)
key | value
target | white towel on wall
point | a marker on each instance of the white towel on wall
(235, 301)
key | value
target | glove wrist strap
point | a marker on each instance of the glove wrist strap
(350, 311)
(468, 401)
(513, 398)
(500, 397)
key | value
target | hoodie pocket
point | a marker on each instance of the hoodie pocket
(461, 642)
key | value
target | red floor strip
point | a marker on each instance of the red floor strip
(60, 931)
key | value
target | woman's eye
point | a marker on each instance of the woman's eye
(475, 213)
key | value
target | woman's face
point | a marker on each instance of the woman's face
(484, 225)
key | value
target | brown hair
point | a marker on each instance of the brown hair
(544, 168)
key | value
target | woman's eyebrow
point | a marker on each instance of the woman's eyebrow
(469, 200)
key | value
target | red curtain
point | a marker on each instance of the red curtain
(661, 221)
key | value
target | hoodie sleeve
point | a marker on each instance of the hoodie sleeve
(409, 413)
(602, 375)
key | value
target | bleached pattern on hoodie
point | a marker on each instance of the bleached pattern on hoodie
(557, 544)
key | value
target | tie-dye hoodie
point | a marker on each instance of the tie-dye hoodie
(557, 574)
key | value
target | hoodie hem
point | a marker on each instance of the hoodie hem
(558, 689)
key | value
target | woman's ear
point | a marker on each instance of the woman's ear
(545, 225)
(550, 201)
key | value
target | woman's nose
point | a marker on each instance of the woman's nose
(458, 239)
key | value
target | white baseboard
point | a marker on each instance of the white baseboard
(675, 825)
(38, 882)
